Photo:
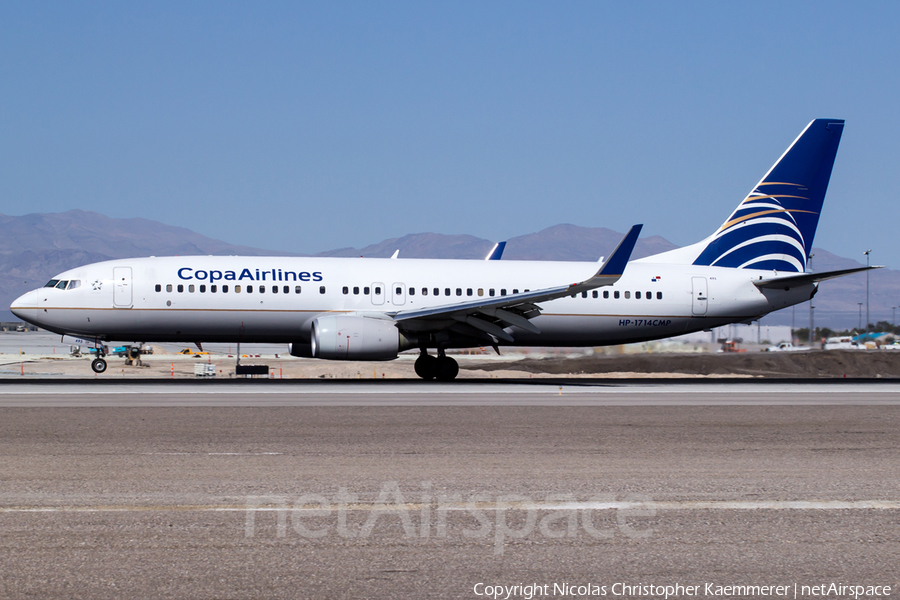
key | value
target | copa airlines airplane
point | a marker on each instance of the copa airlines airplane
(372, 309)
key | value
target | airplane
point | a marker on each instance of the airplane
(373, 309)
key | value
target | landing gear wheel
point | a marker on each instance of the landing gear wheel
(98, 365)
(447, 369)
(426, 366)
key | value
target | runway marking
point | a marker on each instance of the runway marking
(212, 453)
(674, 505)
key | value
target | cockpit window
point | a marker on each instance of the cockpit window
(62, 285)
(74, 284)
(52, 283)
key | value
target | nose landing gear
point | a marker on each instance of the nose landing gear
(442, 367)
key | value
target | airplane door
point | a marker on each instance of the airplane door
(378, 293)
(399, 291)
(700, 295)
(122, 287)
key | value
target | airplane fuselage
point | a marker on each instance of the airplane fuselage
(275, 299)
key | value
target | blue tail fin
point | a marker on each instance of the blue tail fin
(773, 228)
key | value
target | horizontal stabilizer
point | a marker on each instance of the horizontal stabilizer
(792, 281)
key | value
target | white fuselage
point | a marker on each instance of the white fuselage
(172, 298)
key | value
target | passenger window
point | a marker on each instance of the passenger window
(659, 295)
(274, 289)
(459, 291)
(286, 289)
(606, 294)
(212, 289)
(262, 289)
(398, 290)
(412, 291)
(377, 290)
(616, 294)
(366, 290)
(345, 290)
(584, 294)
(627, 295)
(515, 291)
(297, 289)
(168, 287)
(74, 284)
(446, 291)
(237, 288)
(491, 292)
(502, 291)
(158, 288)
(424, 291)
(637, 295)
(595, 294)
(202, 289)
(468, 291)
(356, 290)
(249, 289)
(481, 292)
(437, 291)
(649, 295)
(180, 288)
(321, 289)
(191, 288)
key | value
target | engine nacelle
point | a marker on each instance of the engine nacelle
(354, 338)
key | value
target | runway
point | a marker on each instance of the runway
(385, 490)
(561, 392)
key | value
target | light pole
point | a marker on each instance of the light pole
(867, 253)
(859, 327)
(812, 322)
(894, 316)
(811, 307)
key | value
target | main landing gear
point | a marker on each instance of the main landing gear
(440, 367)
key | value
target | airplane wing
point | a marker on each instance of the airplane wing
(487, 317)
(791, 281)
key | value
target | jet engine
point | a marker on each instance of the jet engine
(355, 338)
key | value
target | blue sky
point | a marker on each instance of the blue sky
(307, 127)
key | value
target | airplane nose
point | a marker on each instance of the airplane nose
(25, 306)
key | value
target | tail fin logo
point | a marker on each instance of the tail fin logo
(762, 233)
(773, 228)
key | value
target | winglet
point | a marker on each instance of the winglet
(496, 252)
(615, 264)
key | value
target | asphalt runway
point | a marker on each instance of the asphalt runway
(410, 490)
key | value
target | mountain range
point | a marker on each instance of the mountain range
(35, 247)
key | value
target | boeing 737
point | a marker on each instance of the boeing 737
(373, 309)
